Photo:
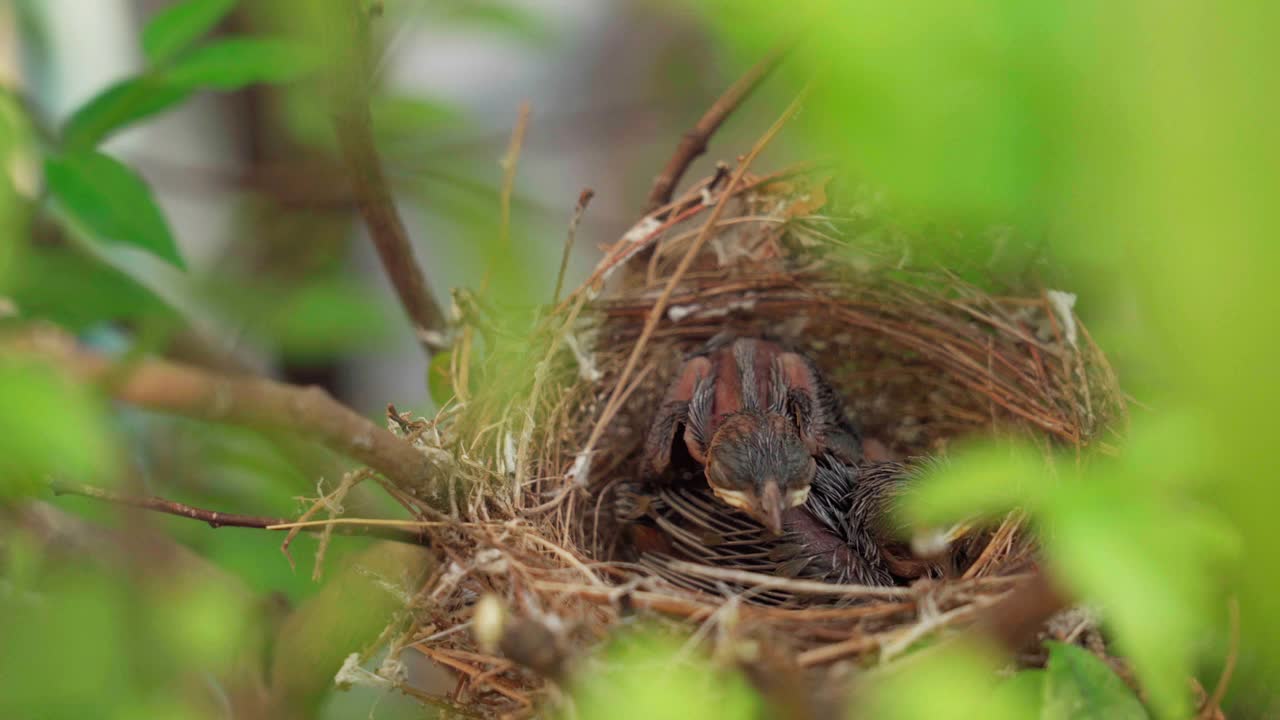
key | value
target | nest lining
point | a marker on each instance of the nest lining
(921, 359)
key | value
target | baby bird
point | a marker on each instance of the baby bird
(754, 417)
(846, 533)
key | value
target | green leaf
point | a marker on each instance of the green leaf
(111, 201)
(324, 317)
(1140, 557)
(645, 675)
(225, 65)
(118, 106)
(984, 480)
(79, 292)
(1024, 690)
(237, 62)
(951, 681)
(1079, 686)
(504, 17)
(402, 117)
(48, 425)
(175, 28)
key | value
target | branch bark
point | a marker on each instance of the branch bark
(353, 125)
(249, 401)
(694, 142)
(217, 519)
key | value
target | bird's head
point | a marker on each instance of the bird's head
(757, 463)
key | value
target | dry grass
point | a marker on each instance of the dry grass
(923, 359)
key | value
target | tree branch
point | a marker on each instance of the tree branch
(694, 142)
(250, 401)
(217, 519)
(353, 125)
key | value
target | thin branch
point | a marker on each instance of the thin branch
(583, 199)
(510, 161)
(1214, 702)
(259, 403)
(217, 519)
(694, 142)
(353, 125)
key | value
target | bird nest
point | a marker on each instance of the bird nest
(549, 424)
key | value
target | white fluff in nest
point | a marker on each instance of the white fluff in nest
(580, 469)
(587, 369)
(1063, 303)
(351, 674)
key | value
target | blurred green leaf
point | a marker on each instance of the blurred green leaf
(1079, 686)
(241, 61)
(411, 119)
(203, 618)
(318, 319)
(505, 17)
(79, 292)
(943, 683)
(986, 480)
(229, 64)
(1137, 557)
(1024, 690)
(440, 378)
(175, 28)
(640, 679)
(323, 319)
(60, 655)
(15, 151)
(118, 106)
(112, 201)
(48, 426)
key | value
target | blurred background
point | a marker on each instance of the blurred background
(1124, 152)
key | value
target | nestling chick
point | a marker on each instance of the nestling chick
(754, 416)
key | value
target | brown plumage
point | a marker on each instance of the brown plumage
(844, 533)
(753, 417)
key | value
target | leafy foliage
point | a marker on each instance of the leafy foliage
(112, 201)
(48, 426)
(174, 29)
(1078, 686)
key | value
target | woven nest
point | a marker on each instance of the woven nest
(921, 358)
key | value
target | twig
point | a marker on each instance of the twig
(353, 125)
(694, 142)
(583, 199)
(659, 307)
(799, 587)
(217, 519)
(510, 161)
(248, 401)
(1214, 701)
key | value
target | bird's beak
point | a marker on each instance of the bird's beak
(770, 508)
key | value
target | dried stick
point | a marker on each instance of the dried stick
(510, 161)
(353, 126)
(578, 210)
(1214, 702)
(217, 519)
(249, 401)
(694, 142)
